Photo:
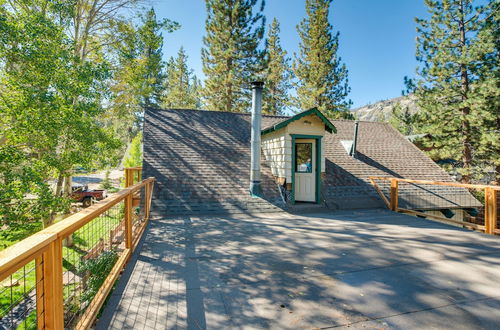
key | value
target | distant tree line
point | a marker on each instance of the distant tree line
(232, 57)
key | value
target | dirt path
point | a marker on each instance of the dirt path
(94, 180)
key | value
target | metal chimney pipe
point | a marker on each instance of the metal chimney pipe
(255, 187)
(355, 139)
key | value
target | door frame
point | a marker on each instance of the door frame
(318, 163)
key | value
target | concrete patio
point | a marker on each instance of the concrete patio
(358, 269)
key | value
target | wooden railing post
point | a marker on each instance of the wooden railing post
(490, 210)
(40, 308)
(128, 177)
(147, 192)
(53, 302)
(151, 190)
(128, 222)
(394, 195)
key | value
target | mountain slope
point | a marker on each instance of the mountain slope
(381, 111)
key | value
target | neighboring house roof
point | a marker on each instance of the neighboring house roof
(329, 127)
(205, 156)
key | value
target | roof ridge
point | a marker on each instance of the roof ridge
(217, 111)
(361, 121)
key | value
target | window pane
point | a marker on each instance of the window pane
(303, 157)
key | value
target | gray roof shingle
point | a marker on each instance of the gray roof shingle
(205, 155)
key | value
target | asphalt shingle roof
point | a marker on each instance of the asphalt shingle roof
(205, 156)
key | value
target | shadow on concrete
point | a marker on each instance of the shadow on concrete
(320, 270)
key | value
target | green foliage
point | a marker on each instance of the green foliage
(181, 85)
(322, 77)
(106, 183)
(13, 234)
(49, 105)
(134, 157)
(151, 66)
(403, 120)
(97, 270)
(25, 196)
(457, 85)
(277, 75)
(138, 80)
(231, 58)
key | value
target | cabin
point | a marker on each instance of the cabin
(215, 161)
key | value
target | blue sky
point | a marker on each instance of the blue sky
(377, 38)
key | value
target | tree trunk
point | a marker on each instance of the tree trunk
(59, 186)
(67, 185)
(466, 131)
(497, 175)
(67, 193)
(49, 220)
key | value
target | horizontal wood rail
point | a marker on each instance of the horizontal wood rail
(490, 207)
(436, 183)
(48, 248)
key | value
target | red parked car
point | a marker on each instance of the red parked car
(85, 196)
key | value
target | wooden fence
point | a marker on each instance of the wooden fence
(428, 199)
(60, 277)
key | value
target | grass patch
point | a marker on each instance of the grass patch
(24, 281)
(94, 271)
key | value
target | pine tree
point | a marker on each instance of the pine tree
(181, 85)
(322, 77)
(487, 125)
(457, 84)
(151, 41)
(139, 75)
(403, 119)
(231, 58)
(276, 73)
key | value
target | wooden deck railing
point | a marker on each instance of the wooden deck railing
(477, 203)
(132, 175)
(60, 277)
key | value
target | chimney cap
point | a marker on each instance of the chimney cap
(257, 84)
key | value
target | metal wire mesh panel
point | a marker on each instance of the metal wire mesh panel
(472, 206)
(19, 296)
(89, 254)
(432, 197)
(138, 218)
(76, 261)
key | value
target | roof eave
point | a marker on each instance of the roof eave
(329, 127)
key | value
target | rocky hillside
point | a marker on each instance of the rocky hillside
(381, 111)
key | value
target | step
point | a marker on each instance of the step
(210, 207)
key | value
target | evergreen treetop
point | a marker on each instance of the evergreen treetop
(181, 85)
(151, 44)
(322, 77)
(277, 75)
(231, 56)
